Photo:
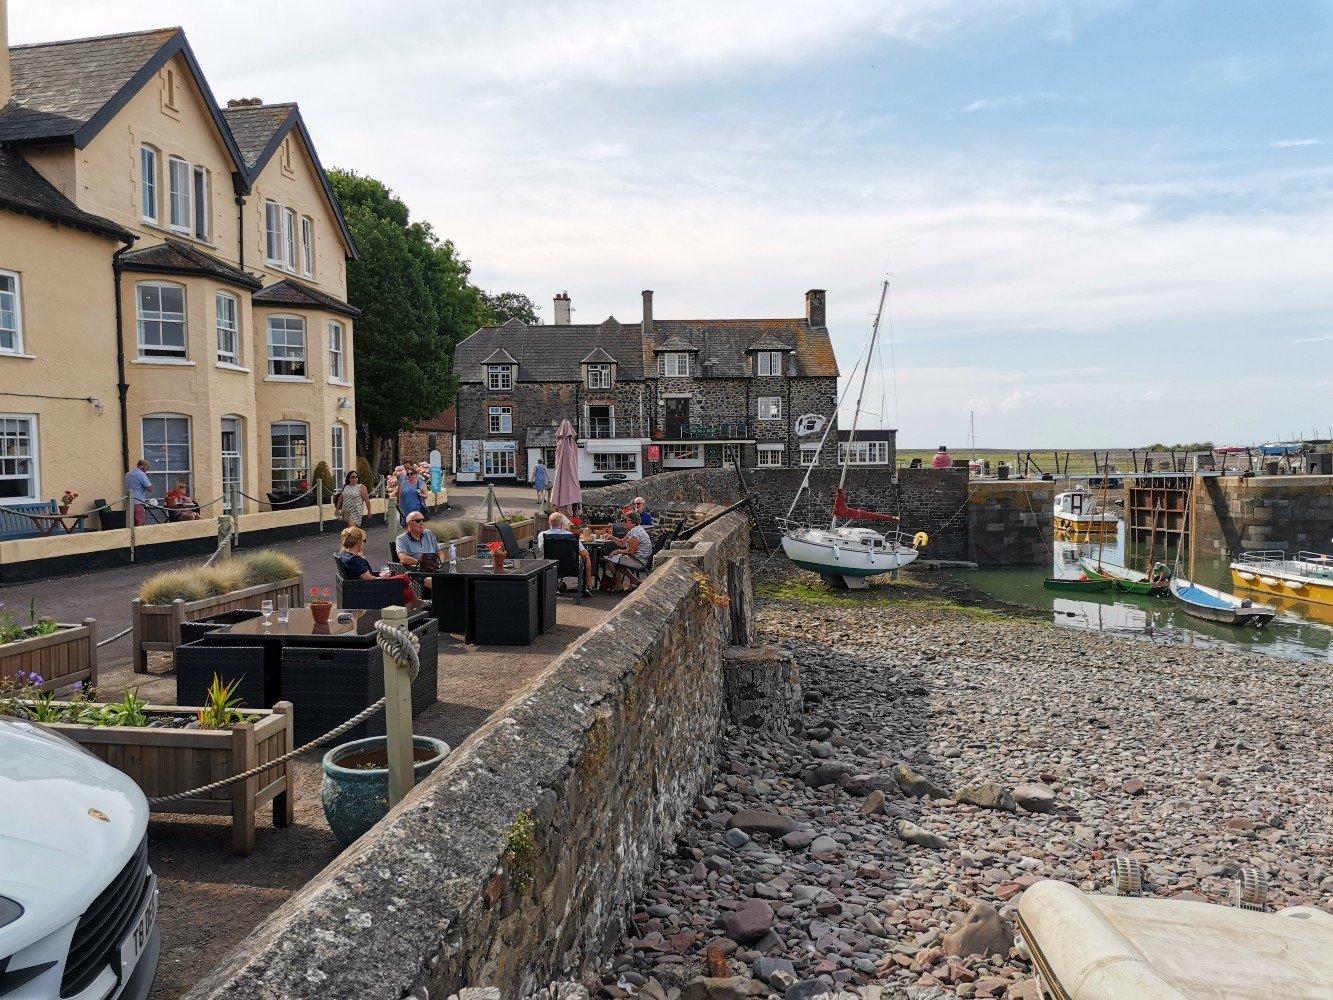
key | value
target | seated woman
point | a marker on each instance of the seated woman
(351, 562)
(180, 506)
(632, 552)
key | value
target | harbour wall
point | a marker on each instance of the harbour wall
(1009, 522)
(931, 500)
(516, 862)
(1233, 513)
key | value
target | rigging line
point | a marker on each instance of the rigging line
(893, 354)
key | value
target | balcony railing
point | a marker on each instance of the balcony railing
(726, 430)
(621, 427)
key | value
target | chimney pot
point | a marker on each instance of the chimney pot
(814, 307)
(648, 312)
(562, 309)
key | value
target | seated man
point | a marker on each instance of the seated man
(631, 553)
(641, 508)
(417, 547)
(559, 528)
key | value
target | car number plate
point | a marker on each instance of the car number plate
(137, 939)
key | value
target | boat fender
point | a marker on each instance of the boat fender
(837, 553)
(920, 540)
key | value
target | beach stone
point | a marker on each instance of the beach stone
(982, 932)
(720, 988)
(1132, 787)
(873, 805)
(797, 840)
(759, 821)
(827, 773)
(765, 968)
(916, 784)
(920, 836)
(736, 838)
(807, 989)
(750, 922)
(987, 795)
(1035, 797)
(824, 845)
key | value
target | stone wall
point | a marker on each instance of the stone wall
(1010, 523)
(1264, 512)
(929, 500)
(516, 862)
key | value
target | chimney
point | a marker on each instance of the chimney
(6, 76)
(648, 312)
(562, 309)
(814, 307)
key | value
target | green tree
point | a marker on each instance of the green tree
(501, 306)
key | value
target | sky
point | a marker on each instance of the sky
(1106, 223)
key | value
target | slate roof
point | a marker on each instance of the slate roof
(598, 356)
(723, 344)
(175, 257)
(24, 190)
(290, 292)
(767, 343)
(59, 87)
(551, 353)
(255, 126)
(499, 356)
(674, 345)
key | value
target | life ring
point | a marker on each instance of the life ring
(920, 540)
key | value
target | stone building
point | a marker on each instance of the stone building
(644, 397)
(428, 436)
(172, 280)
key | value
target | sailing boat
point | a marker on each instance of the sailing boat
(842, 553)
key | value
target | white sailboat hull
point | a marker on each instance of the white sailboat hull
(849, 553)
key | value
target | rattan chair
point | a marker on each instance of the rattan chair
(511, 542)
(378, 593)
(197, 664)
(192, 631)
(505, 612)
(564, 549)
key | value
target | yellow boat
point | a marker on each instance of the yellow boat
(1078, 517)
(1306, 577)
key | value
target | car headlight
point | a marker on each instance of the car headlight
(9, 911)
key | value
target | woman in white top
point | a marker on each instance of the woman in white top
(632, 552)
(353, 500)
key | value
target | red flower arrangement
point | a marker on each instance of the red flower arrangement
(498, 553)
(576, 522)
(321, 604)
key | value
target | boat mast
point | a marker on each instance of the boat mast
(860, 396)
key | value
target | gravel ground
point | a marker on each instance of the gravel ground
(1195, 762)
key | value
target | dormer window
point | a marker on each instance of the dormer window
(768, 363)
(675, 364)
(499, 378)
(599, 376)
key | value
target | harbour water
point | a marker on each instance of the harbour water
(1301, 630)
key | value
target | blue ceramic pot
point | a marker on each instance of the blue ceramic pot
(355, 798)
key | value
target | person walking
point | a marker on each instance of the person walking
(353, 500)
(138, 485)
(411, 494)
(541, 480)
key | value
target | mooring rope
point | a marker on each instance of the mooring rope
(399, 645)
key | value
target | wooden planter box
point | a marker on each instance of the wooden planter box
(158, 626)
(61, 658)
(466, 548)
(524, 531)
(166, 761)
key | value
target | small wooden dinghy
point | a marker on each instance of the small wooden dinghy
(1076, 583)
(1215, 606)
(1126, 580)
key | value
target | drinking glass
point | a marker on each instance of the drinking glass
(284, 607)
(266, 609)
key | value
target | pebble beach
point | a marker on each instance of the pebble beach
(952, 753)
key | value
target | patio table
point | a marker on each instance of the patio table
(510, 607)
(47, 523)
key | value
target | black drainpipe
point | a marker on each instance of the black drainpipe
(122, 387)
(240, 229)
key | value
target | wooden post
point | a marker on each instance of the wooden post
(1190, 523)
(92, 651)
(244, 755)
(398, 715)
(140, 660)
(490, 504)
(284, 803)
(319, 502)
(235, 517)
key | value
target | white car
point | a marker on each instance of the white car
(78, 902)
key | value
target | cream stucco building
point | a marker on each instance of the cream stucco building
(172, 280)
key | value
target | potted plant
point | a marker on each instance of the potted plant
(321, 604)
(355, 789)
(498, 553)
(55, 653)
(67, 498)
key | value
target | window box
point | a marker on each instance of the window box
(61, 658)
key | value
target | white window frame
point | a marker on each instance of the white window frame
(289, 239)
(337, 353)
(674, 364)
(682, 456)
(162, 317)
(33, 456)
(338, 454)
(296, 472)
(150, 181)
(499, 378)
(288, 353)
(599, 376)
(770, 407)
(500, 420)
(273, 233)
(504, 466)
(767, 453)
(768, 363)
(176, 199)
(809, 454)
(171, 473)
(307, 246)
(200, 222)
(615, 461)
(234, 458)
(16, 331)
(228, 327)
(864, 453)
(610, 418)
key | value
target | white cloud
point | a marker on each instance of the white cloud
(1016, 399)
(981, 405)
(1152, 396)
(1313, 340)
(1291, 143)
(1009, 101)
